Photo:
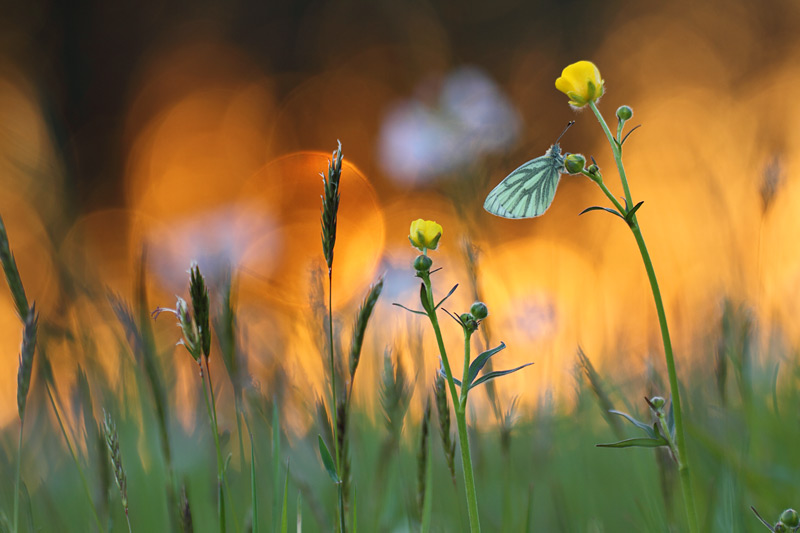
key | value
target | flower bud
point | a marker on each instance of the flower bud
(780, 527)
(469, 322)
(657, 402)
(790, 518)
(593, 169)
(479, 310)
(624, 113)
(422, 263)
(574, 163)
(425, 234)
(582, 83)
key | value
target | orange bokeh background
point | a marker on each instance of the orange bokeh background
(221, 162)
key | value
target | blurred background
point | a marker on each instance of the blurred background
(197, 130)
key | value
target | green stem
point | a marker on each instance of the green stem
(465, 376)
(213, 420)
(74, 458)
(460, 410)
(469, 476)
(19, 466)
(680, 437)
(334, 425)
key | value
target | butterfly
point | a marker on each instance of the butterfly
(529, 190)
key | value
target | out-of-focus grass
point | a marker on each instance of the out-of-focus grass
(743, 444)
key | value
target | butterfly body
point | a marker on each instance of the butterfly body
(529, 190)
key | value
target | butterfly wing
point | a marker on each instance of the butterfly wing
(529, 190)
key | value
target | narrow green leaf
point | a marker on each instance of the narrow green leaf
(496, 374)
(423, 298)
(629, 134)
(285, 509)
(276, 462)
(327, 460)
(629, 215)
(641, 425)
(410, 310)
(444, 375)
(769, 526)
(640, 442)
(599, 208)
(355, 510)
(449, 294)
(253, 478)
(480, 361)
(427, 502)
(299, 512)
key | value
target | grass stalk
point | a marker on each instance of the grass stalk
(213, 421)
(84, 482)
(17, 477)
(680, 437)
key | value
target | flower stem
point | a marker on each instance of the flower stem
(680, 438)
(460, 409)
(19, 466)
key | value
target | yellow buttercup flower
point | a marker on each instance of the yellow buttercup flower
(581, 82)
(425, 234)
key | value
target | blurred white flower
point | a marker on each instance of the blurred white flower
(471, 118)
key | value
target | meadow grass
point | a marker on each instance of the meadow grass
(533, 469)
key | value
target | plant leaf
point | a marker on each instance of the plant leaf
(599, 208)
(410, 310)
(641, 425)
(639, 442)
(423, 298)
(285, 509)
(769, 526)
(632, 211)
(448, 296)
(496, 374)
(327, 460)
(629, 134)
(444, 375)
(480, 361)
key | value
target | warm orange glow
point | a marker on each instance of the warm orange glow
(221, 159)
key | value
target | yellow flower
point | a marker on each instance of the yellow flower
(425, 234)
(581, 81)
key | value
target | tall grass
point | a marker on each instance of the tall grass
(396, 472)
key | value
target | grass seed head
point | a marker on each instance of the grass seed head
(443, 409)
(112, 443)
(330, 204)
(26, 353)
(12, 274)
(200, 307)
(360, 326)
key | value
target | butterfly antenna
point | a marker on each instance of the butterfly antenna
(569, 125)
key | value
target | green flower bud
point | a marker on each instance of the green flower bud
(780, 527)
(592, 169)
(657, 402)
(624, 113)
(469, 322)
(574, 163)
(422, 263)
(790, 518)
(479, 310)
